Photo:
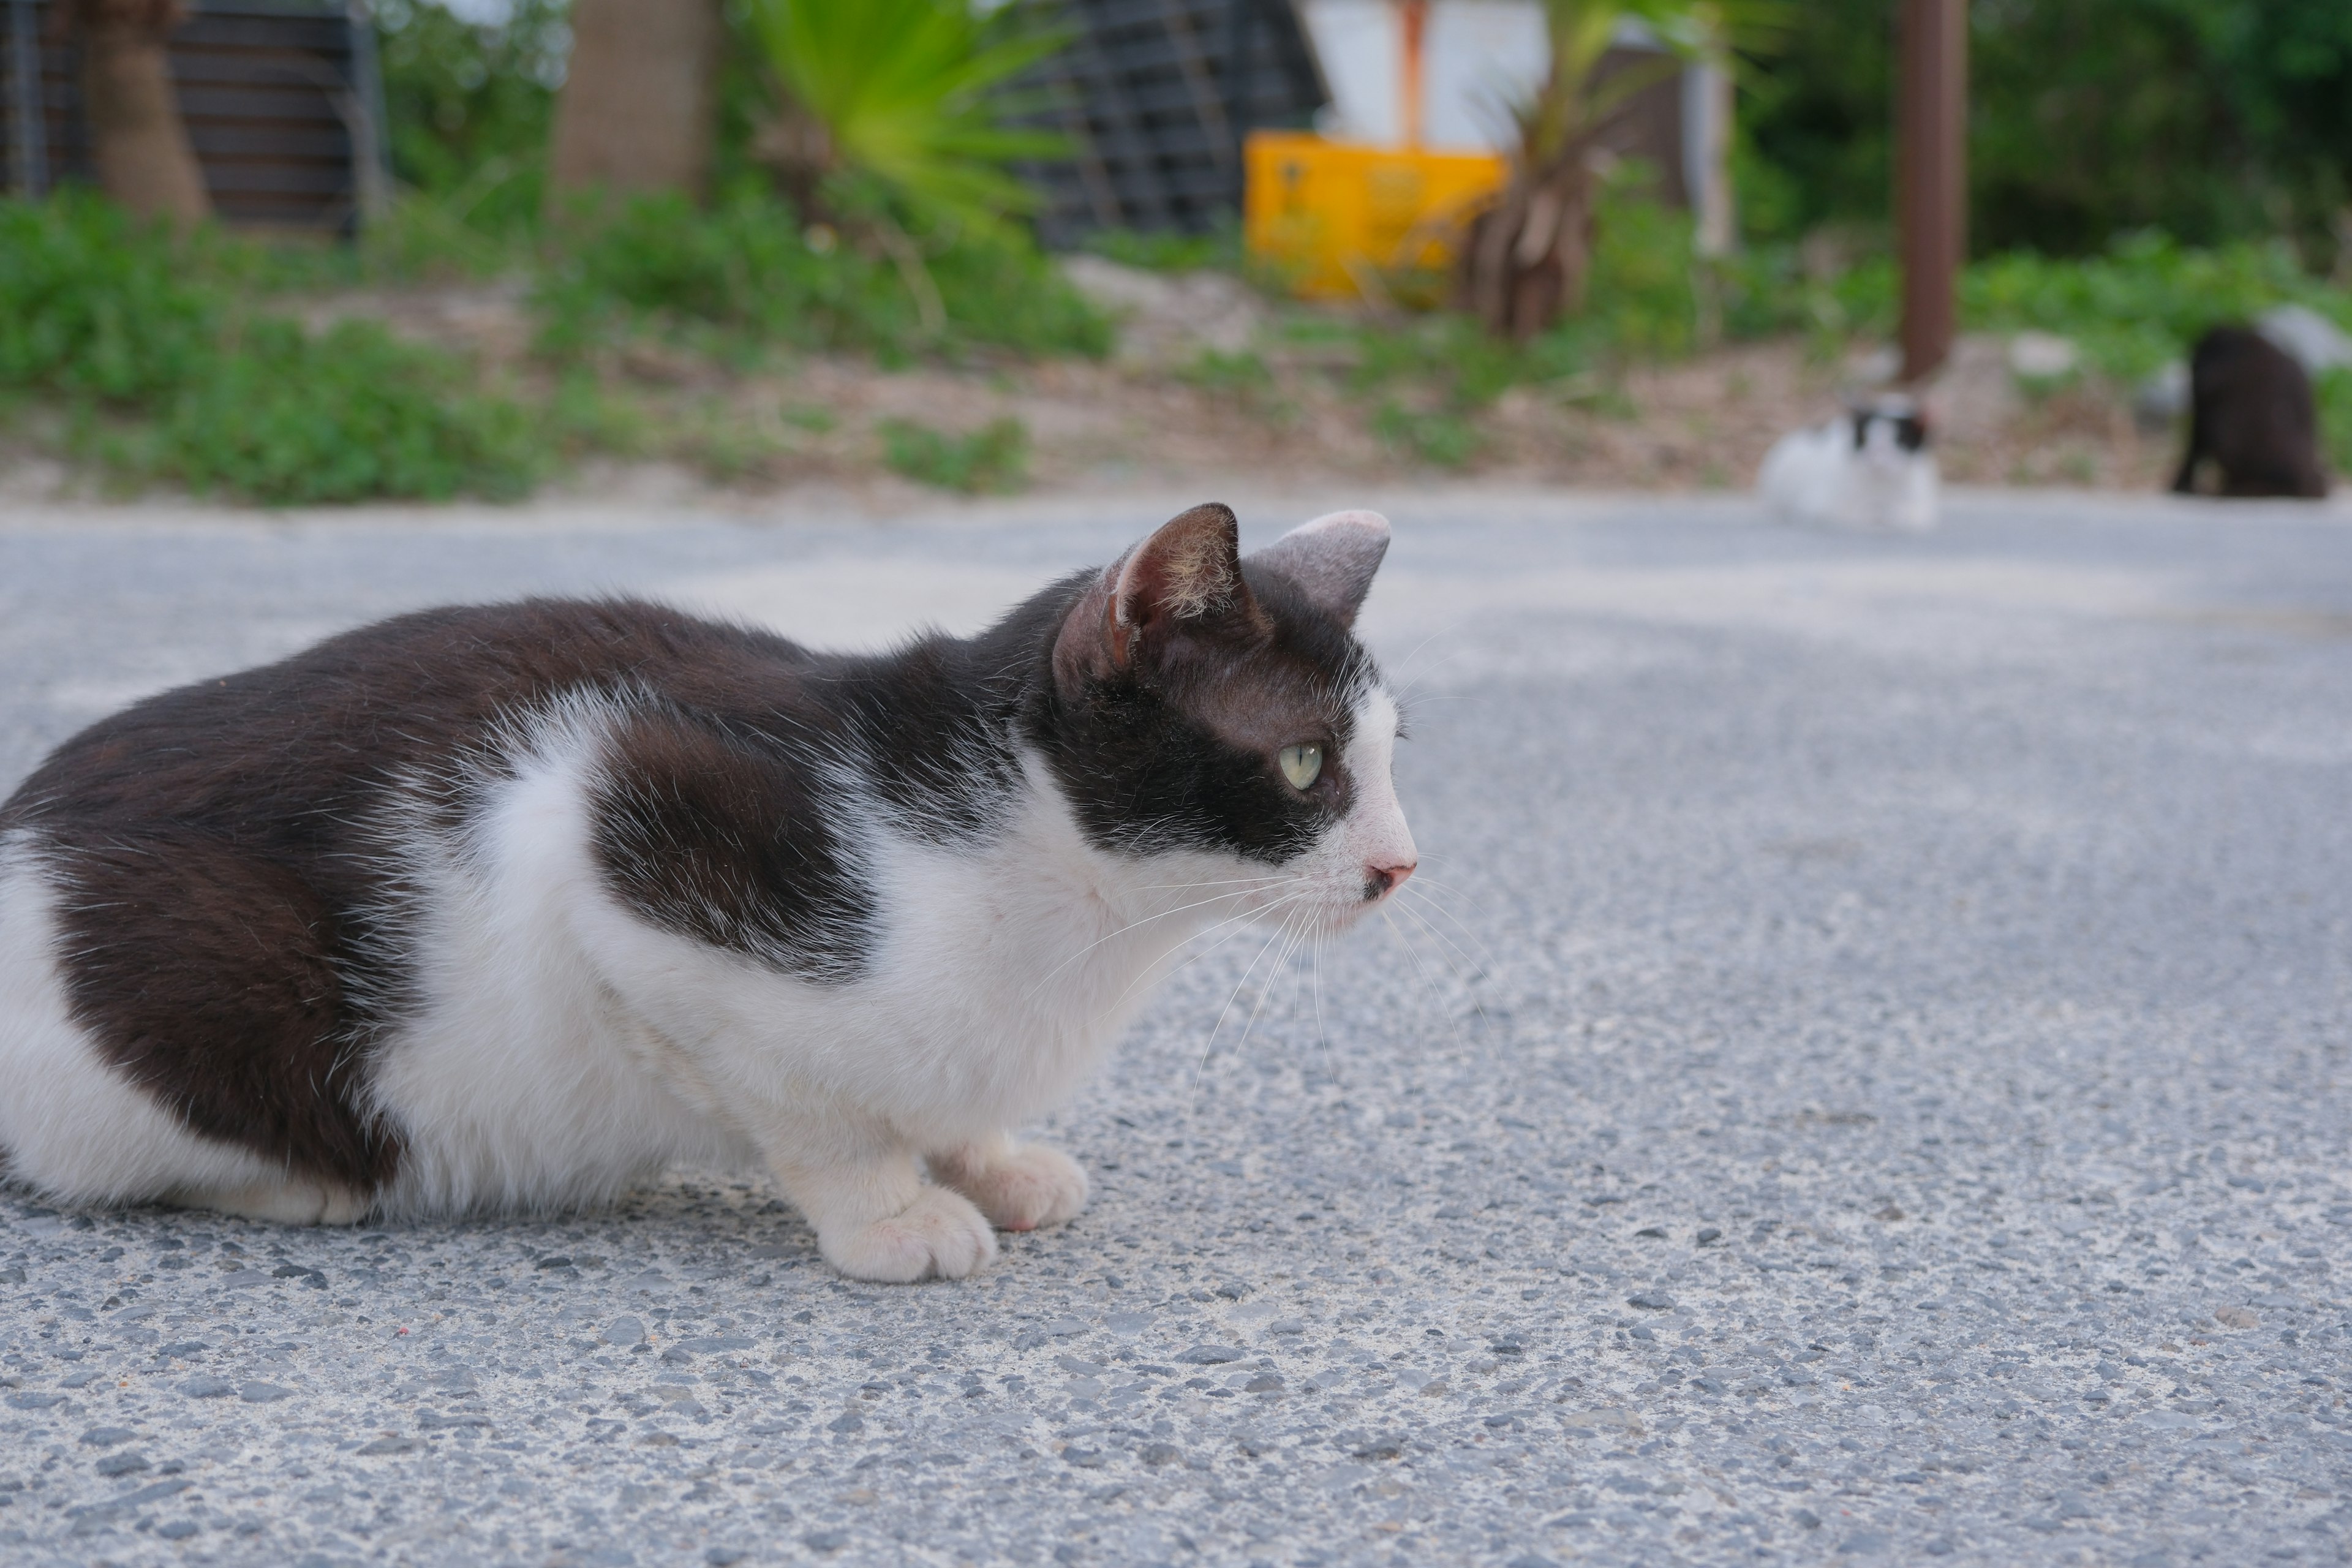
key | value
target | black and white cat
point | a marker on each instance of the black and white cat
(504, 907)
(1872, 469)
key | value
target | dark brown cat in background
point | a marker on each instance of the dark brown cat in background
(2252, 415)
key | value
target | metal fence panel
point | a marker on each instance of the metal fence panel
(278, 96)
(1155, 97)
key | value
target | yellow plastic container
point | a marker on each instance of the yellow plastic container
(1344, 220)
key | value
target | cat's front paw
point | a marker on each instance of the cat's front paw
(1025, 1188)
(939, 1234)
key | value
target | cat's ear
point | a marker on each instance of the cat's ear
(1186, 576)
(1332, 558)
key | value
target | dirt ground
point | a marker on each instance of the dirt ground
(1280, 417)
(1699, 423)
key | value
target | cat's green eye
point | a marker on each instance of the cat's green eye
(1302, 764)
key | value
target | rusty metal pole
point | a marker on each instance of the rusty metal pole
(1931, 177)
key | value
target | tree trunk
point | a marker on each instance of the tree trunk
(1529, 256)
(637, 106)
(137, 139)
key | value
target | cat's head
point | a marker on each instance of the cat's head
(1890, 429)
(1215, 714)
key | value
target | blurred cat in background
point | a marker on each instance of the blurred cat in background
(1870, 468)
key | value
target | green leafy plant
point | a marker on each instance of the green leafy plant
(1165, 250)
(2141, 303)
(167, 372)
(993, 457)
(908, 92)
(1425, 377)
(2212, 120)
(94, 305)
(354, 413)
(1442, 439)
(748, 275)
(2334, 391)
(469, 103)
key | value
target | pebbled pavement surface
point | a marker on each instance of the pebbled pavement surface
(1862, 1082)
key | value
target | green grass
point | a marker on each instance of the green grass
(2334, 390)
(353, 413)
(2129, 311)
(1424, 379)
(1442, 439)
(1164, 252)
(169, 365)
(163, 359)
(166, 372)
(748, 277)
(994, 457)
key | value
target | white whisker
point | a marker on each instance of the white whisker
(1484, 962)
(1266, 989)
(1209, 1049)
(1239, 920)
(1428, 981)
(1475, 1006)
(1132, 925)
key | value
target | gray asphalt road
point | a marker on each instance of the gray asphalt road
(1864, 1081)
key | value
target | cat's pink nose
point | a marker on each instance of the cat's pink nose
(1379, 881)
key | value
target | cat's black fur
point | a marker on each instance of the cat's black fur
(1910, 424)
(2252, 415)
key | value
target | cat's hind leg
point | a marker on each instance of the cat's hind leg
(1018, 1187)
(875, 1217)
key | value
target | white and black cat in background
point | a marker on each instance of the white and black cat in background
(1873, 469)
(504, 907)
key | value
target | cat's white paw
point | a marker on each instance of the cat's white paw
(939, 1234)
(294, 1201)
(1027, 1188)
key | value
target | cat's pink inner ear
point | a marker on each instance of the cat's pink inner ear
(1191, 569)
(1333, 558)
(1187, 572)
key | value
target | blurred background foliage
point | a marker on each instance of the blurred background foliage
(2209, 120)
(2141, 170)
(468, 105)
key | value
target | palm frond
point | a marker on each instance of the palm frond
(911, 93)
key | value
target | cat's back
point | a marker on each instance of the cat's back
(276, 754)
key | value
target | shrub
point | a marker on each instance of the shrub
(146, 341)
(2130, 309)
(993, 457)
(749, 269)
(470, 104)
(354, 413)
(2335, 391)
(93, 306)
(2087, 118)
(2144, 301)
